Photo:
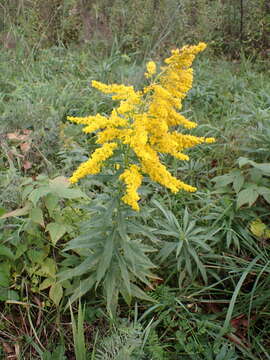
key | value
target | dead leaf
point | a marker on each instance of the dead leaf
(17, 136)
(17, 212)
(27, 165)
(25, 147)
(7, 348)
(27, 132)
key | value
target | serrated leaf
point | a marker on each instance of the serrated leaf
(36, 216)
(70, 193)
(48, 268)
(37, 256)
(242, 161)
(26, 191)
(264, 167)
(46, 284)
(56, 293)
(247, 196)
(38, 193)
(238, 182)
(56, 231)
(223, 180)
(51, 201)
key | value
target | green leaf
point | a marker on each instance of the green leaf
(2, 211)
(81, 269)
(36, 216)
(37, 256)
(4, 274)
(84, 286)
(247, 196)
(48, 268)
(51, 201)
(223, 180)
(106, 257)
(5, 251)
(38, 193)
(6, 295)
(56, 293)
(139, 293)
(46, 284)
(26, 191)
(238, 182)
(56, 231)
(242, 161)
(265, 192)
(264, 167)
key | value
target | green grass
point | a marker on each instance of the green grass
(218, 308)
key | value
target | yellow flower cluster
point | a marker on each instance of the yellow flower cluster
(142, 122)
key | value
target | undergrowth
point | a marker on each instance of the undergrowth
(210, 298)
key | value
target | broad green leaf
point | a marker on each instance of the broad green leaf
(6, 295)
(26, 191)
(59, 182)
(223, 180)
(264, 167)
(242, 161)
(5, 251)
(48, 268)
(70, 193)
(238, 182)
(46, 283)
(36, 216)
(51, 201)
(37, 256)
(265, 193)
(56, 231)
(247, 196)
(4, 275)
(56, 293)
(2, 211)
(38, 193)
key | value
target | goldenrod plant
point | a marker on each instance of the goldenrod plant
(144, 125)
(130, 141)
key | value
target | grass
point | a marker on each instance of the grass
(225, 317)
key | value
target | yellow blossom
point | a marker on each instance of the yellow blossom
(142, 123)
(151, 69)
(94, 164)
(133, 180)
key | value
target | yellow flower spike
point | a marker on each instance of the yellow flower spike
(133, 179)
(142, 122)
(93, 165)
(151, 69)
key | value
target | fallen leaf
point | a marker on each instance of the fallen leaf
(17, 136)
(25, 147)
(17, 212)
(27, 165)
